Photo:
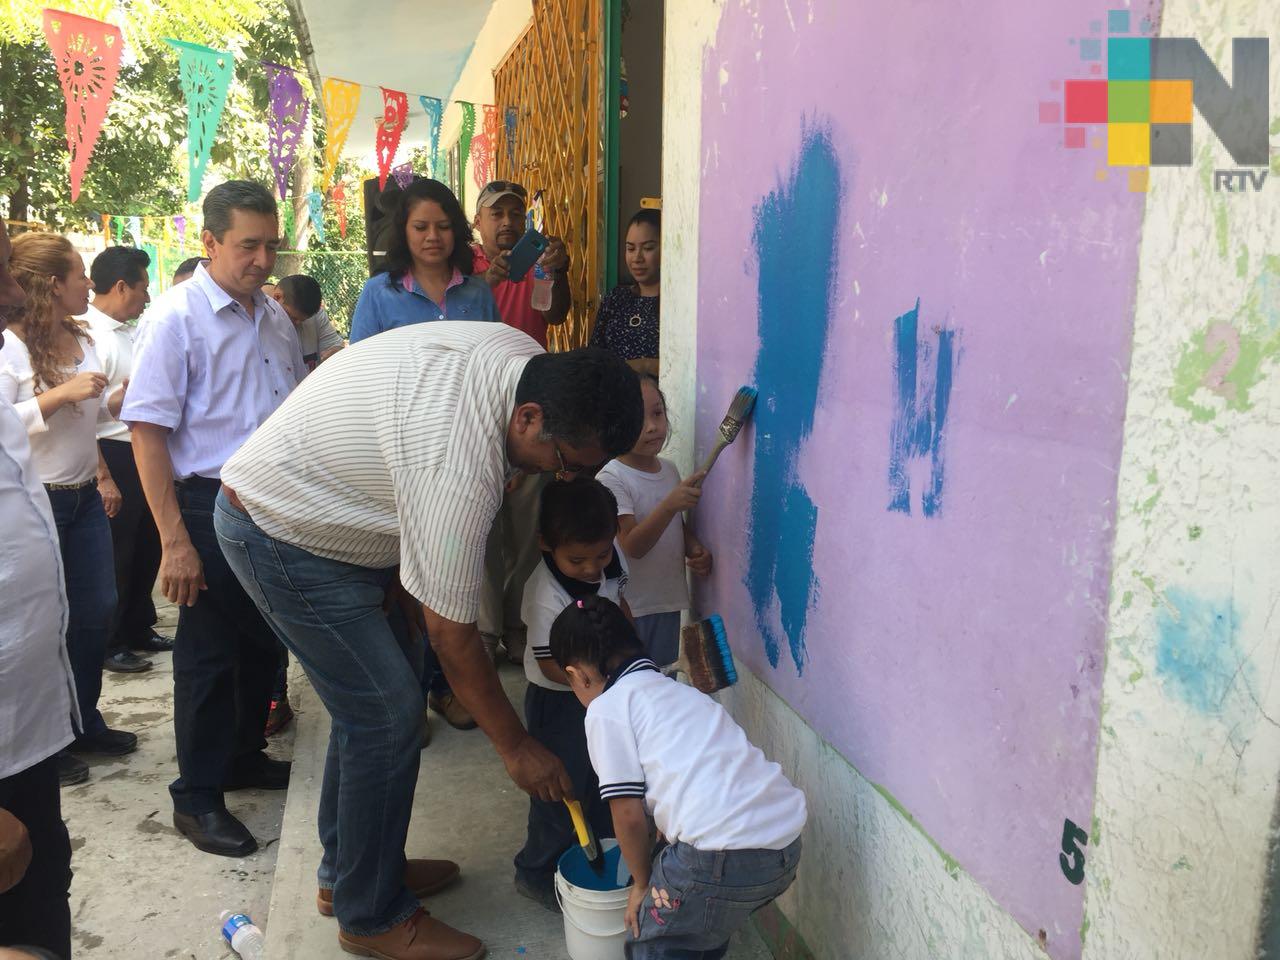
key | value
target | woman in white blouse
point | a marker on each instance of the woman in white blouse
(50, 372)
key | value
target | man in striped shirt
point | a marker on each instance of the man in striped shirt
(395, 452)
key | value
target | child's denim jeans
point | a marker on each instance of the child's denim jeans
(710, 895)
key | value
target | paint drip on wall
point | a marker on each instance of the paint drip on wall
(1199, 658)
(795, 244)
(920, 414)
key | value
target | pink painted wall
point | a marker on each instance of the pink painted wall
(955, 658)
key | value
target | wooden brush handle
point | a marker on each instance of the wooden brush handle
(711, 459)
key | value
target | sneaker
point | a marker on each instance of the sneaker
(107, 743)
(126, 662)
(540, 893)
(71, 770)
(281, 716)
(451, 708)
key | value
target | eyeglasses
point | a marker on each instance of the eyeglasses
(567, 470)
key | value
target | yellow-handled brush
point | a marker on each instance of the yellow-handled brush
(586, 839)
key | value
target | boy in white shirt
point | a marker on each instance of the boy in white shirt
(732, 820)
(577, 523)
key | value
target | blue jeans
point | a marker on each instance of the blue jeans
(712, 894)
(88, 565)
(366, 671)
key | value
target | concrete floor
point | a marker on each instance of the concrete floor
(141, 891)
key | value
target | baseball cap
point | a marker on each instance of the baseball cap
(497, 189)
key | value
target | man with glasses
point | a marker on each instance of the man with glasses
(512, 552)
(422, 427)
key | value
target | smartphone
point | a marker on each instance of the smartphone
(525, 254)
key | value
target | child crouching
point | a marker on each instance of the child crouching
(577, 521)
(732, 819)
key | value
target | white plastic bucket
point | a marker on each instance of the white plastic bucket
(593, 919)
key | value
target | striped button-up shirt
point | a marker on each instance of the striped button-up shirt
(210, 372)
(394, 451)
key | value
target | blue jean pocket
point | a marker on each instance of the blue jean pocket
(237, 554)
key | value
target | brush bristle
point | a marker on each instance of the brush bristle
(744, 401)
(710, 659)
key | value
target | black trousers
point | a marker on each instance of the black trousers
(37, 912)
(224, 666)
(136, 545)
(558, 721)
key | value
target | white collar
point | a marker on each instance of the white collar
(96, 317)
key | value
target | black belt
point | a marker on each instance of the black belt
(196, 482)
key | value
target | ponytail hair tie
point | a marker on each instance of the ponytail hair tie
(580, 607)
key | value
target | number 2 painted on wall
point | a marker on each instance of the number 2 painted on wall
(1071, 859)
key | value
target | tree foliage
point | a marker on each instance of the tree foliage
(139, 163)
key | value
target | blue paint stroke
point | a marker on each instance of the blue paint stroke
(795, 245)
(918, 429)
(1198, 655)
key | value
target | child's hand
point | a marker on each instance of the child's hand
(635, 899)
(699, 560)
(687, 494)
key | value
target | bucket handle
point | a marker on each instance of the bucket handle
(589, 933)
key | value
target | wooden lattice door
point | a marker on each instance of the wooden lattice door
(553, 78)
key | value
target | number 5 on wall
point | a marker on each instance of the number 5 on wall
(1071, 859)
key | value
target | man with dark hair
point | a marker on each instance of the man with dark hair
(512, 552)
(187, 269)
(422, 426)
(119, 276)
(303, 301)
(217, 359)
(37, 692)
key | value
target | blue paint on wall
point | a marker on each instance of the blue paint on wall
(795, 245)
(1198, 656)
(918, 428)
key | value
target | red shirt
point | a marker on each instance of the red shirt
(513, 301)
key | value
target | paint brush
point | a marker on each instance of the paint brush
(705, 657)
(744, 402)
(586, 839)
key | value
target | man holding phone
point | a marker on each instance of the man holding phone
(500, 221)
(512, 551)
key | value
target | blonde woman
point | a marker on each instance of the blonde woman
(51, 373)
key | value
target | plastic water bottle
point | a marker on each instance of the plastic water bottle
(540, 299)
(243, 935)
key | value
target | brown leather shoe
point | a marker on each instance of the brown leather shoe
(422, 877)
(421, 937)
(451, 708)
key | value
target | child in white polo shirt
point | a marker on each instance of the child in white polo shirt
(732, 820)
(577, 522)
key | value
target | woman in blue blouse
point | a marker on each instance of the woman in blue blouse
(427, 272)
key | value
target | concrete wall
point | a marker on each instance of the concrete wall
(981, 607)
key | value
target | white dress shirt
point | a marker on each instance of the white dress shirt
(37, 693)
(211, 373)
(394, 451)
(113, 341)
(64, 448)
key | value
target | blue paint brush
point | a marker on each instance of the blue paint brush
(744, 402)
(705, 657)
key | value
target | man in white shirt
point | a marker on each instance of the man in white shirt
(302, 299)
(119, 276)
(395, 452)
(37, 692)
(217, 358)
